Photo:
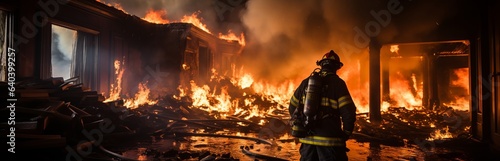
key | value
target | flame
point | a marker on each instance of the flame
(140, 98)
(230, 36)
(116, 88)
(222, 104)
(356, 88)
(440, 134)
(245, 81)
(401, 94)
(461, 80)
(158, 17)
(193, 19)
(394, 48)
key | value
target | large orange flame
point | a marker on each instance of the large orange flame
(193, 19)
(401, 93)
(461, 80)
(205, 98)
(158, 17)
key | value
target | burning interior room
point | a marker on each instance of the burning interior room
(214, 80)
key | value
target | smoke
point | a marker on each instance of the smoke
(288, 36)
(63, 41)
(175, 9)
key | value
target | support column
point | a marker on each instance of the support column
(425, 75)
(433, 83)
(374, 50)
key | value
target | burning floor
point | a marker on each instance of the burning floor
(58, 120)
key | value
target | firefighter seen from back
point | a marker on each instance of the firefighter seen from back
(323, 113)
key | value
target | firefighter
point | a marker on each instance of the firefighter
(334, 120)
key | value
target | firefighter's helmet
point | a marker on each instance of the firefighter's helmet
(330, 59)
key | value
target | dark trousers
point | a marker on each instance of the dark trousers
(322, 153)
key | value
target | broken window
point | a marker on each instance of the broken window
(74, 54)
(5, 35)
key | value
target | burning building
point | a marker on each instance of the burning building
(94, 54)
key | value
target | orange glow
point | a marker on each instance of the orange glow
(193, 19)
(245, 81)
(358, 90)
(116, 88)
(394, 48)
(461, 101)
(205, 98)
(463, 78)
(115, 5)
(440, 134)
(230, 36)
(158, 17)
(140, 98)
(401, 94)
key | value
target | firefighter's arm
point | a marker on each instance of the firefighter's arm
(295, 101)
(347, 110)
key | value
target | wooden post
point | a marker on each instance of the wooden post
(374, 50)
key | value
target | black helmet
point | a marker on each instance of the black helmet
(330, 59)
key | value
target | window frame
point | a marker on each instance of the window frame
(45, 63)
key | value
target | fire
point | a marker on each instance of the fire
(193, 19)
(461, 80)
(440, 134)
(357, 89)
(140, 98)
(230, 36)
(401, 94)
(394, 48)
(158, 17)
(221, 103)
(116, 88)
(245, 81)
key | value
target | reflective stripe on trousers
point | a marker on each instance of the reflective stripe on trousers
(322, 141)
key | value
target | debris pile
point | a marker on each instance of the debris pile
(63, 118)
(399, 125)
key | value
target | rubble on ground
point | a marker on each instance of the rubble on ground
(55, 115)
